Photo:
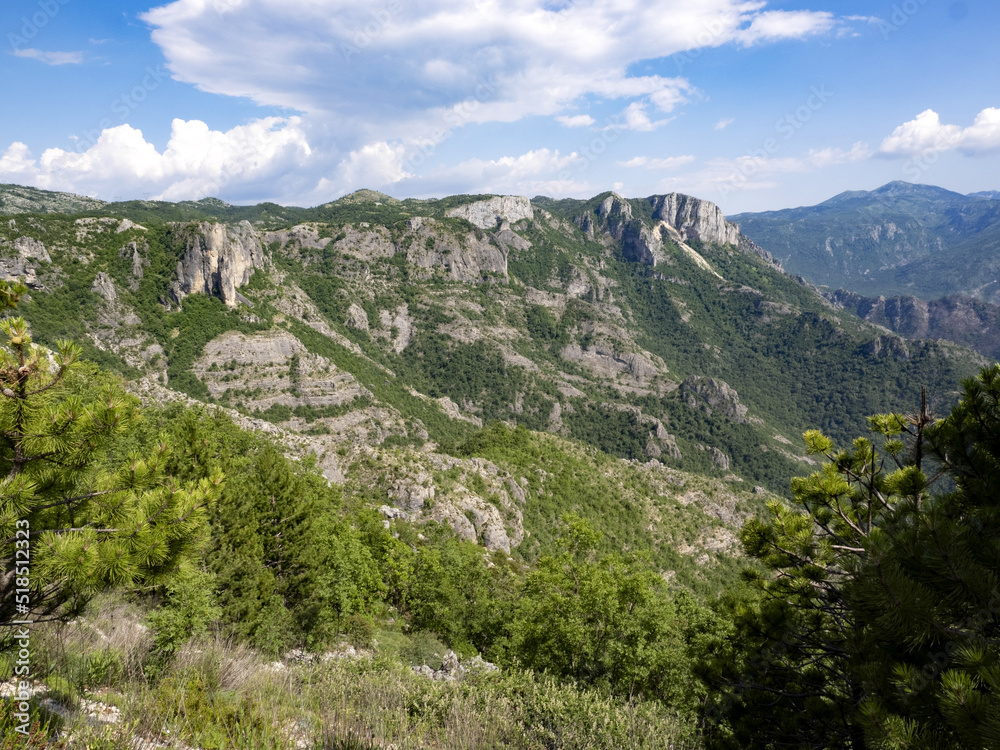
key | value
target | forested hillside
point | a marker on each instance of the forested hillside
(527, 448)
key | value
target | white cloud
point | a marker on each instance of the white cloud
(50, 58)
(724, 123)
(394, 69)
(262, 156)
(539, 171)
(759, 171)
(380, 85)
(773, 25)
(16, 160)
(375, 164)
(926, 133)
(575, 121)
(635, 118)
(669, 162)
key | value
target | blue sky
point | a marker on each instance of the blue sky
(754, 105)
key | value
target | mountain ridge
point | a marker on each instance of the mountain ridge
(899, 239)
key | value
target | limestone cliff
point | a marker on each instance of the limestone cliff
(676, 218)
(694, 219)
(968, 321)
(489, 214)
(218, 259)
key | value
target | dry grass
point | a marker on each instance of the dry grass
(214, 693)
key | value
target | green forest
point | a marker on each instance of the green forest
(427, 485)
(866, 614)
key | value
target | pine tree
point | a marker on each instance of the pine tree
(928, 595)
(879, 622)
(75, 517)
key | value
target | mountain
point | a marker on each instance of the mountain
(17, 199)
(901, 239)
(663, 363)
(970, 322)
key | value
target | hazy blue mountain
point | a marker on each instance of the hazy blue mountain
(900, 239)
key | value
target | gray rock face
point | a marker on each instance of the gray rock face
(470, 258)
(640, 244)
(104, 287)
(713, 396)
(139, 262)
(277, 365)
(31, 249)
(488, 214)
(719, 458)
(24, 264)
(218, 259)
(302, 235)
(676, 217)
(357, 318)
(694, 218)
(963, 320)
(886, 346)
(397, 327)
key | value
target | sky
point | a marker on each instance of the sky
(752, 104)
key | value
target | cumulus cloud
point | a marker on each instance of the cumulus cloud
(379, 85)
(635, 118)
(50, 58)
(539, 171)
(724, 123)
(379, 70)
(773, 25)
(197, 161)
(926, 133)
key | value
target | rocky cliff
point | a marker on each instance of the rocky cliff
(489, 214)
(694, 219)
(676, 218)
(218, 259)
(967, 321)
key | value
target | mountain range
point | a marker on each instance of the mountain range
(381, 336)
(900, 239)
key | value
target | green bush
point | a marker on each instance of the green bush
(360, 630)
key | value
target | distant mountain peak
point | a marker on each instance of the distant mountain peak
(899, 239)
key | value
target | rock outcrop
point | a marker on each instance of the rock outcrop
(130, 251)
(279, 367)
(357, 318)
(29, 253)
(964, 320)
(886, 346)
(465, 257)
(489, 214)
(218, 259)
(713, 396)
(677, 218)
(694, 219)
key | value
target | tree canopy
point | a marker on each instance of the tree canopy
(877, 621)
(76, 514)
